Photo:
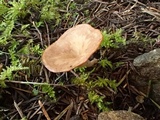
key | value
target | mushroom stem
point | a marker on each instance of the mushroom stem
(89, 63)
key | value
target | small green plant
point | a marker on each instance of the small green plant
(17, 42)
(8, 74)
(46, 88)
(91, 85)
(113, 40)
(49, 91)
(30, 49)
(17, 59)
(14, 11)
(105, 62)
(98, 99)
(80, 69)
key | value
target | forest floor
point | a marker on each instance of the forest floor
(26, 97)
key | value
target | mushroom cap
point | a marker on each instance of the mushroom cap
(72, 49)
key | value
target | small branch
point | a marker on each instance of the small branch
(64, 111)
(36, 83)
(40, 35)
(47, 33)
(18, 109)
(37, 110)
(44, 110)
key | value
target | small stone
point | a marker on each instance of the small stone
(119, 115)
(151, 57)
(148, 67)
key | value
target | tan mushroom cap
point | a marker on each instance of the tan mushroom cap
(72, 49)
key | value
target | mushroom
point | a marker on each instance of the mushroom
(72, 49)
